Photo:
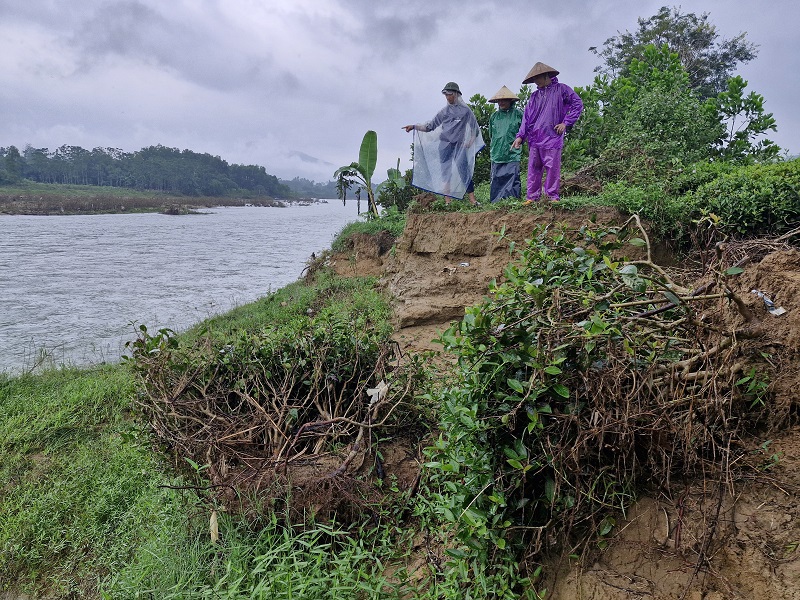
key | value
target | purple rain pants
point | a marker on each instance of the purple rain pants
(540, 159)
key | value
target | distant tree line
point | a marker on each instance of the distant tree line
(155, 168)
(306, 188)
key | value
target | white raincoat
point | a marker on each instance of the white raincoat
(445, 149)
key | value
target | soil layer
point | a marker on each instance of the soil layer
(661, 550)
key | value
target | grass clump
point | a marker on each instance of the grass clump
(272, 560)
(78, 480)
(392, 222)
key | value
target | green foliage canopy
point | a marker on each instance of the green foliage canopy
(396, 191)
(708, 60)
(745, 121)
(646, 123)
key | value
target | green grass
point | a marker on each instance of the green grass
(78, 480)
(271, 561)
(276, 309)
(91, 508)
(391, 220)
(32, 188)
(357, 295)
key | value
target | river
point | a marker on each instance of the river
(74, 288)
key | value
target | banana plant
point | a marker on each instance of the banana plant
(394, 178)
(389, 190)
(359, 174)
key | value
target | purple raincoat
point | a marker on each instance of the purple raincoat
(557, 103)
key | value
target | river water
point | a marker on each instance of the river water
(74, 288)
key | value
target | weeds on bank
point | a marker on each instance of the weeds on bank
(580, 380)
(391, 221)
(78, 481)
(273, 560)
(88, 506)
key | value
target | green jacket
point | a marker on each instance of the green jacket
(503, 128)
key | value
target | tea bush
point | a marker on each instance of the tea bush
(319, 387)
(754, 199)
(650, 202)
(693, 176)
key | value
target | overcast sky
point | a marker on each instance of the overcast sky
(292, 85)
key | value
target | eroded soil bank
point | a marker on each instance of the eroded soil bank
(663, 550)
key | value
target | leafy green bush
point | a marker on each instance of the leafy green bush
(309, 385)
(662, 131)
(745, 122)
(643, 126)
(396, 192)
(755, 199)
(751, 199)
(693, 176)
(577, 377)
(668, 217)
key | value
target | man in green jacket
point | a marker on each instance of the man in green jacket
(503, 126)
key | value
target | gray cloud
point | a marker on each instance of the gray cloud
(126, 29)
(267, 82)
(188, 48)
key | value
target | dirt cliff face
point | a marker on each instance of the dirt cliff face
(664, 548)
(444, 262)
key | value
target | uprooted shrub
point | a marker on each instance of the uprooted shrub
(292, 407)
(584, 379)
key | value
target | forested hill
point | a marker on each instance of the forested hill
(155, 168)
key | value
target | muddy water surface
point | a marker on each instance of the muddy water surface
(72, 288)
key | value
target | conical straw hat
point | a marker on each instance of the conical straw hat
(539, 69)
(503, 94)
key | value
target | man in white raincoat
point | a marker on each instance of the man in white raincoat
(445, 148)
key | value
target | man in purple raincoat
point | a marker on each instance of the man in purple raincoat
(552, 108)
